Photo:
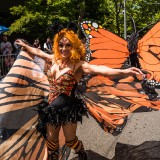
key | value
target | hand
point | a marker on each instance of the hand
(133, 71)
(20, 42)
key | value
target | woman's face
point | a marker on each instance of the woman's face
(65, 47)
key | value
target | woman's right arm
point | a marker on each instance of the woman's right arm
(34, 51)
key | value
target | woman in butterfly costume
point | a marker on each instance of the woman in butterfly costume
(65, 109)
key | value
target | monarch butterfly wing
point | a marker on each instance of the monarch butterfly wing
(111, 101)
(149, 52)
(102, 105)
(23, 88)
(104, 47)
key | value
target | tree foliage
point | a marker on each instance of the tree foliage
(34, 17)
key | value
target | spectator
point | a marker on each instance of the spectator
(37, 44)
(37, 59)
(48, 46)
(6, 45)
(7, 62)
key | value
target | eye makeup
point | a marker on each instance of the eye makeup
(67, 46)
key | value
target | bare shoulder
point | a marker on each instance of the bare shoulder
(49, 58)
(80, 64)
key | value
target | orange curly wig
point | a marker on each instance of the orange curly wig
(78, 50)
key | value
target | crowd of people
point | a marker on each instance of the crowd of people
(9, 52)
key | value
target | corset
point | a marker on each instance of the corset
(63, 84)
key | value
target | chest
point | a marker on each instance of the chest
(57, 75)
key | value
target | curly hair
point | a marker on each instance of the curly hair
(78, 49)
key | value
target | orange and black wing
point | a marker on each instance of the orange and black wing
(149, 52)
(111, 100)
(104, 47)
(22, 90)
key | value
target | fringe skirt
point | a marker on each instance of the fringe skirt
(62, 110)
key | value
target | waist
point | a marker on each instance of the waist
(54, 94)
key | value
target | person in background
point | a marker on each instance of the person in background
(48, 46)
(37, 44)
(8, 61)
(5, 45)
(37, 59)
(65, 109)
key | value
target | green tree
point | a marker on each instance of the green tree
(34, 17)
(144, 12)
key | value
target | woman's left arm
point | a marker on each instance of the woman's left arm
(104, 70)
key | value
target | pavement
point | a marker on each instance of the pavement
(100, 145)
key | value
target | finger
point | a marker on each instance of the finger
(136, 69)
(17, 41)
(136, 72)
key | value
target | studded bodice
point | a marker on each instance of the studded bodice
(63, 84)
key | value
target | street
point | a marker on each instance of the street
(99, 145)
